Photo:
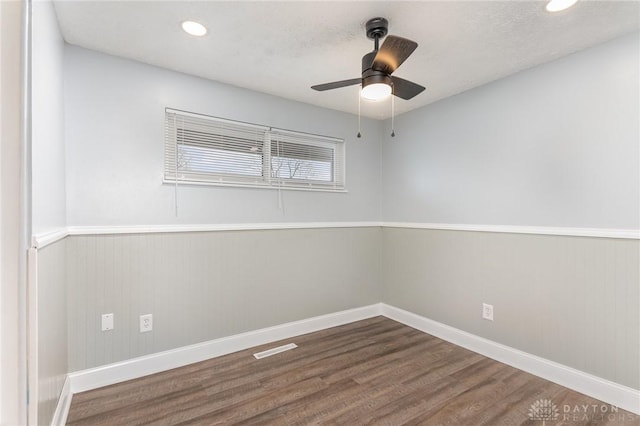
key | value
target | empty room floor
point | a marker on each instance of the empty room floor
(375, 371)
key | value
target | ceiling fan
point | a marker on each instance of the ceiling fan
(378, 65)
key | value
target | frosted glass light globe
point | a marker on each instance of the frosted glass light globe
(376, 91)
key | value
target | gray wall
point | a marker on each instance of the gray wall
(48, 199)
(556, 145)
(201, 286)
(572, 300)
(52, 327)
(115, 144)
(48, 145)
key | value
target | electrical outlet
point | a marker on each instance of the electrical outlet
(146, 323)
(107, 322)
(487, 311)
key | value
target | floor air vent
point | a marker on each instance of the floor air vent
(274, 351)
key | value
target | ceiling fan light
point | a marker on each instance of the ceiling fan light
(194, 28)
(558, 5)
(376, 91)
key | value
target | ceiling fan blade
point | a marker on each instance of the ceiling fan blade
(405, 89)
(393, 52)
(336, 84)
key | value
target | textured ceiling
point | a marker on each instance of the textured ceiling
(283, 48)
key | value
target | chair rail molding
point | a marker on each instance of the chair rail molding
(43, 239)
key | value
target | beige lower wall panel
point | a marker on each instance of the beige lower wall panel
(52, 328)
(572, 300)
(205, 285)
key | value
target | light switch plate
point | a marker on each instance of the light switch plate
(107, 322)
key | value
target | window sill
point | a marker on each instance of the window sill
(252, 186)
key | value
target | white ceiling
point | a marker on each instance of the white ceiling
(283, 48)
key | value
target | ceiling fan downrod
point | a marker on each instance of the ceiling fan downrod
(376, 29)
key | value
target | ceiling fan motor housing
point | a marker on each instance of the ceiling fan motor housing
(371, 76)
(367, 61)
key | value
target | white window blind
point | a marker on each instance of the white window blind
(208, 150)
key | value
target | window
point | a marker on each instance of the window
(207, 150)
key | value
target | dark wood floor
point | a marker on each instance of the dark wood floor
(373, 371)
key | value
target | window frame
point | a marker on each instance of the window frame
(171, 174)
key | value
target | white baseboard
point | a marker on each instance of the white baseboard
(64, 403)
(604, 390)
(143, 366)
(596, 387)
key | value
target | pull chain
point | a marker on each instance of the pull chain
(393, 113)
(280, 203)
(359, 134)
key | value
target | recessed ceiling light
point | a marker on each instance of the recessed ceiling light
(194, 28)
(558, 5)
